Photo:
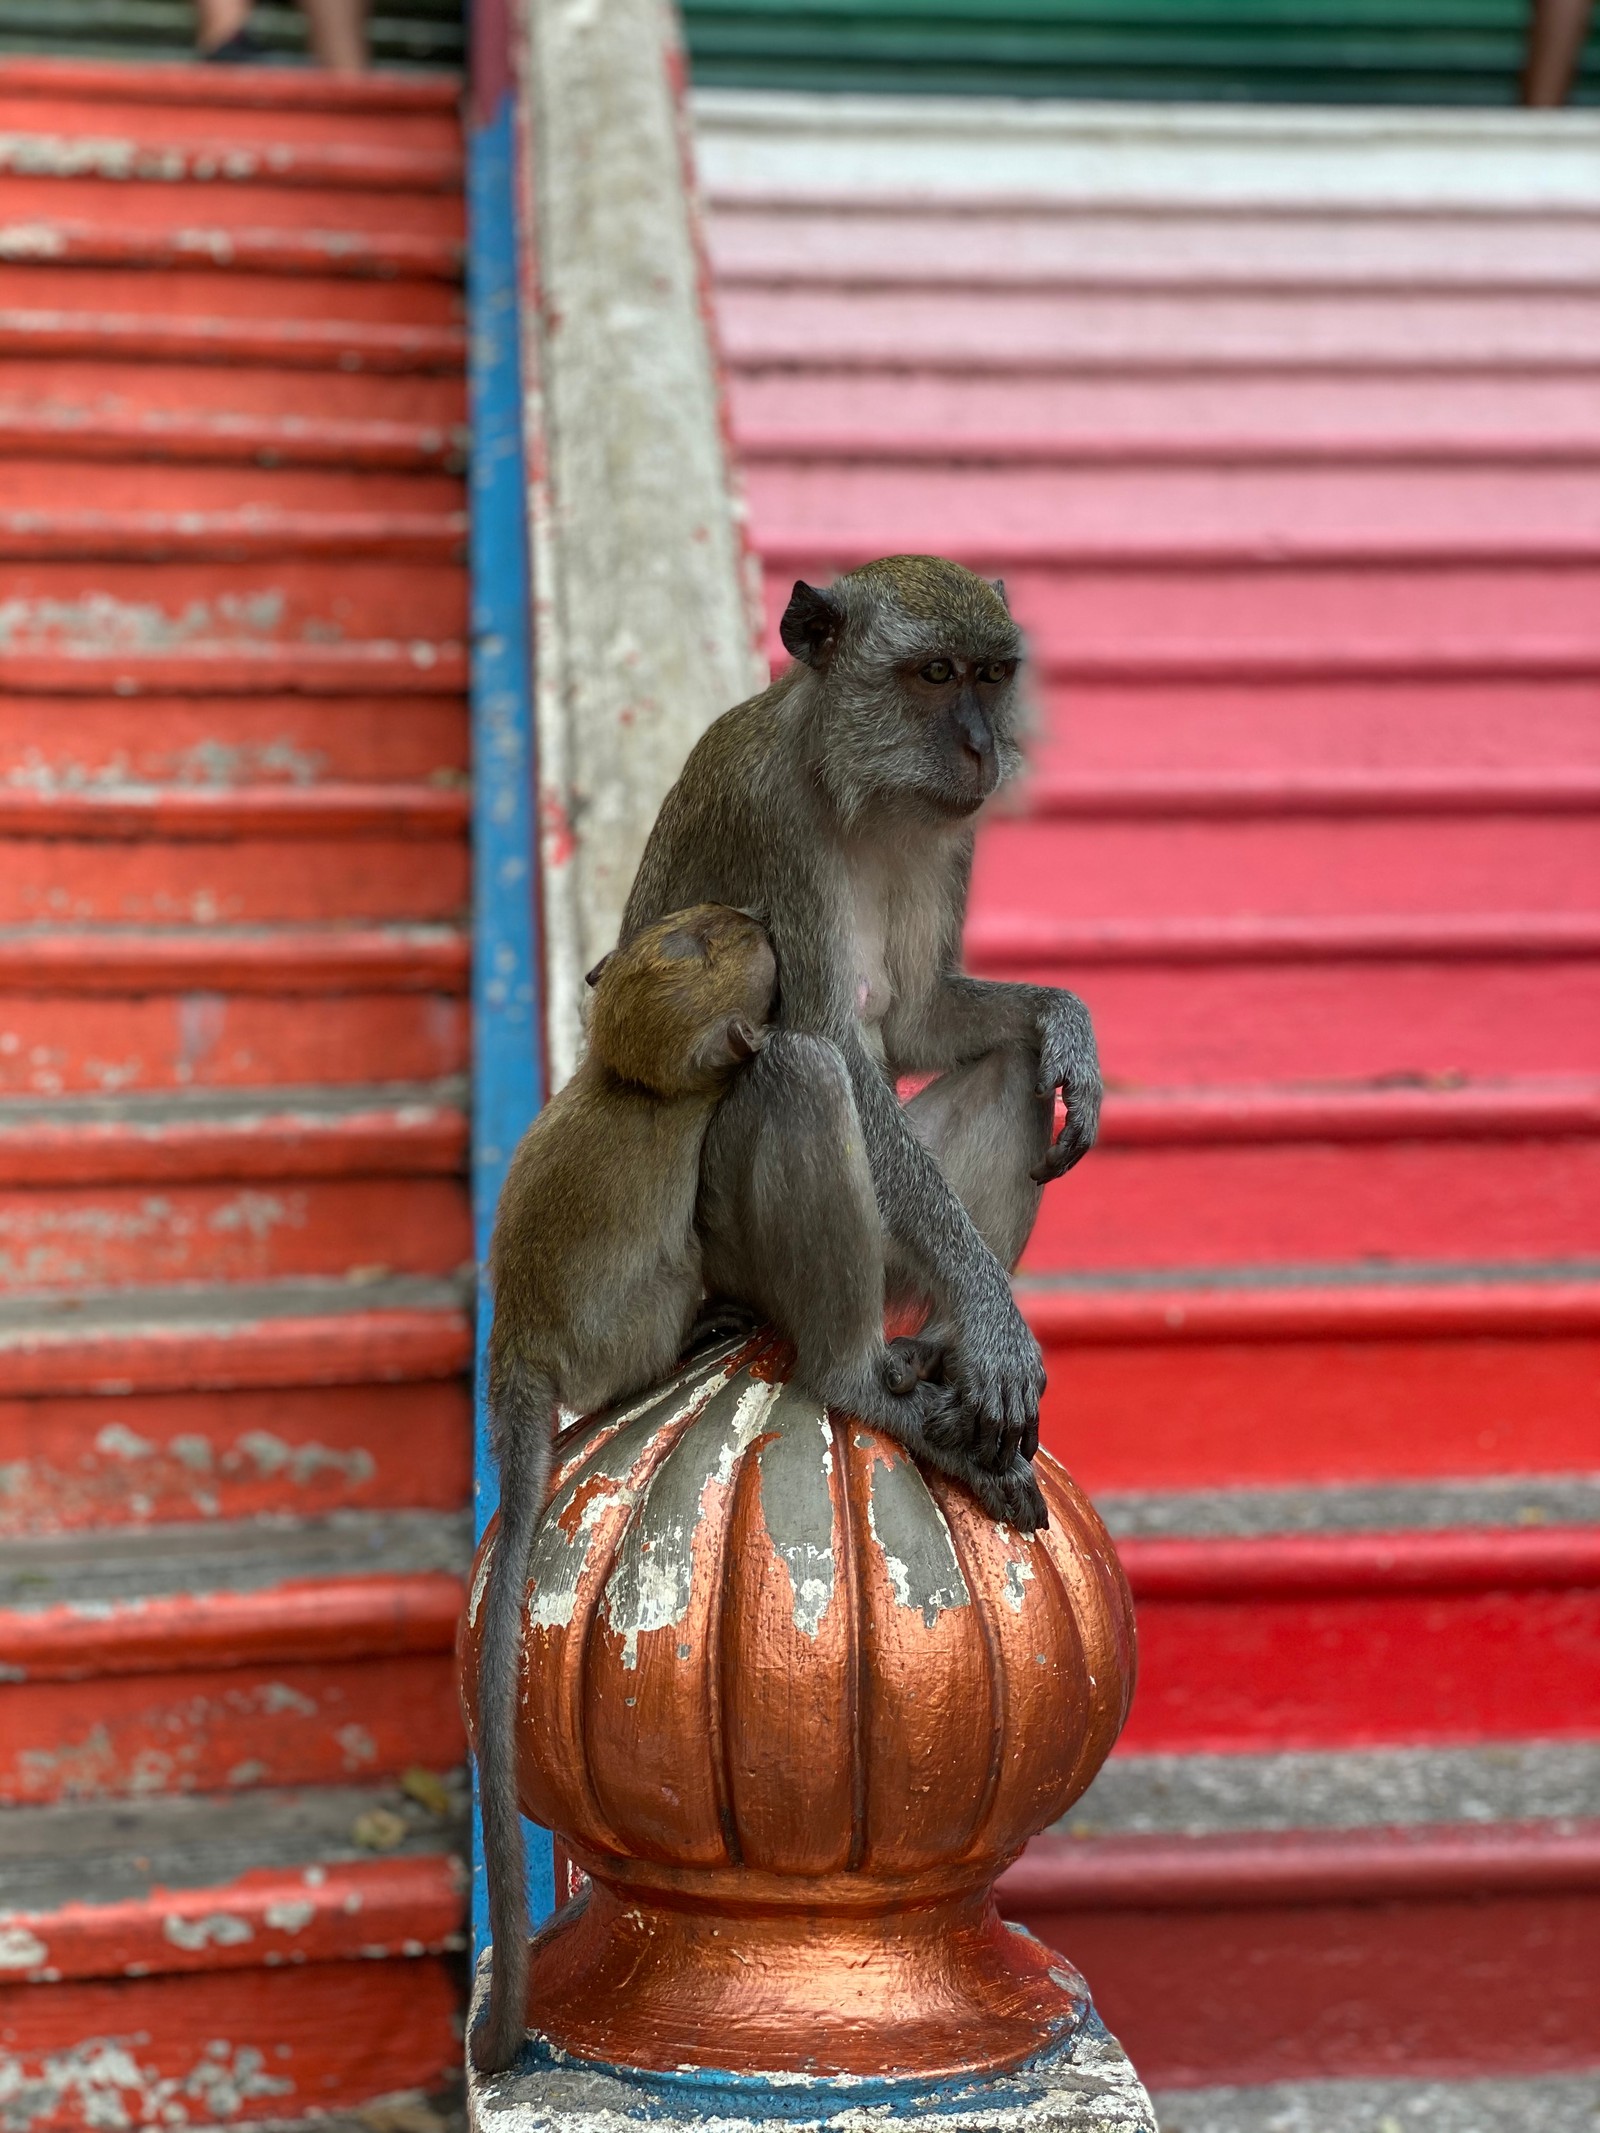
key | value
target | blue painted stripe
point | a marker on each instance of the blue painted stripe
(507, 1069)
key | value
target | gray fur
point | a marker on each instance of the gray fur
(839, 803)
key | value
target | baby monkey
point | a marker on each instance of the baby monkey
(597, 1277)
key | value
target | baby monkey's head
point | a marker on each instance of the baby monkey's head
(684, 1001)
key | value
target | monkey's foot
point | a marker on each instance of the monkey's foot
(720, 1318)
(914, 1358)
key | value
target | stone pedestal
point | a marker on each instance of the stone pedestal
(792, 1705)
(1084, 2084)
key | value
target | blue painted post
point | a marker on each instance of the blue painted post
(507, 1031)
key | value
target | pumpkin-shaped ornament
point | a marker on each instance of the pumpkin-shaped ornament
(793, 1704)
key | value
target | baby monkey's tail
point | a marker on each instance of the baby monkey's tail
(523, 1407)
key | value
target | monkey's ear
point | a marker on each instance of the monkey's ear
(999, 585)
(744, 1039)
(593, 977)
(811, 624)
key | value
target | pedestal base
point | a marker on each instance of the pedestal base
(1084, 2085)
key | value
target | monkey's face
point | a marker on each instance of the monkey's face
(917, 659)
(961, 706)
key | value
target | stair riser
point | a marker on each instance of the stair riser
(1277, 1671)
(1523, 724)
(40, 485)
(208, 1039)
(1237, 1024)
(144, 609)
(97, 1236)
(147, 1458)
(101, 222)
(1077, 619)
(1219, 1414)
(247, 880)
(1503, 1199)
(255, 123)
(286, 740)
(1475, 1986)
(1242, 512)
(217, 1729)
(231, 2045)
(1191, 414)
(198, 295)
(1128, 871)
(156, 391)
(1117, 331)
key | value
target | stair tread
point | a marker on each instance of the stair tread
(42, 75)
(109, 1852)
(109, 1569)
(316, 1103)
(329, 808)
(294, 958)
(222, 1307)
(1520, 1503)
(145, 1888)
(140, 427)
(1359, 1788)
(1552, 2103)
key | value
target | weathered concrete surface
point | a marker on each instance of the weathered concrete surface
(1431, 1506)
(1359, 1788)
(643, 620)
(1555, 2104)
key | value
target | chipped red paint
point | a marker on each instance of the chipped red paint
(74, 1237)
(72, 1463)
(340, 1348)
(213, 1729)
(273, 1141)
(229, 2044)
(261, 1918)
(287, 960)
(232, 774)
(294, 1622)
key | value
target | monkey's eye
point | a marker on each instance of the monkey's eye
(995, 672)
(938, 670)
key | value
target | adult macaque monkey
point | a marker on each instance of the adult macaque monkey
(840, 804)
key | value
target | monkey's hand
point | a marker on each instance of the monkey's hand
(1069, 1062)
(997, 1369)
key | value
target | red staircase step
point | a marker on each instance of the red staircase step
(192, 1658)
(66, 135)
(1443, 1615)
(1208, 1180)
(151, 410)
(1517, 721)
(193, 860)
(1322, 1375)
(210, 743)
(388, 1330)
(295, 1133)
(102, 222)
(169, 1922)
(309, 344)
(1067, 414)
(289, 91)
(1253, 1919)
(235, 1434)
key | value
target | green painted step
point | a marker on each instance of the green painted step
(1254, 51)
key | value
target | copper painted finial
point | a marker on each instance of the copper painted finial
(793, 1705)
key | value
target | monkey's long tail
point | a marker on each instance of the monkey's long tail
(524, 1411)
